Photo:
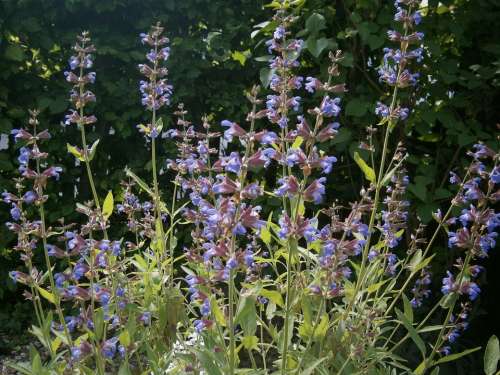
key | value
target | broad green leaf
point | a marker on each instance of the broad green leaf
(246, 314)
(124, 338)
(107, 207)
(356, 108)
(217, 313)
(265, 75)
(36, 364)
(316, 22)
(317, 46)
(491, 355)
(14, 52)
(250, 342)
(273, 295)
(369, 172)
(124, 369)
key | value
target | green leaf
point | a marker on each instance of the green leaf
(107, 207)
(453, 357)
(298, 141)
(310, 370)
(317, 46)
(217, 313)
(250, 342)
(246, 314)
(356, 108)
(93, 149)
(36, 364)
(124, 338)
(411, 330)
(491, 355)
(124, 369)
(14, 52)
(369, 172)
(240, 57)
(75, 152)
(273, 295)
(315, 23)
(265, 75)
(408, 309)
(46, 294)
(265, 235)
(139, 181)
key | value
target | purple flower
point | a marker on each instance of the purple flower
(473, 290)
(205, 307)
(279, 33)
(109, 347)
(382, 110)
(312, 84)
(24, 156)
(29, 197)
(315, 191)
(233, 164)
(330, 107)
(448, 284)
(145, 318)
(15, 212)
(326, 163)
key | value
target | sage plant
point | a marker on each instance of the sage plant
(302, 285)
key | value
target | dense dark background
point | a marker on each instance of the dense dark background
(214, 58)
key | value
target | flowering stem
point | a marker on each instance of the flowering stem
(55, 291)
(87, 160)
(440, 339)
(232, 343)
(292, 249)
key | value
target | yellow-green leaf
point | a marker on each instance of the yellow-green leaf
(217, 313)
(107, 207)
(265, 235)
(46, 294)
(250, 342)
(55, 344)
(368, 171)
(93, 149)
(75, 152)
(298, 142)
(273, 295)
(124, 338)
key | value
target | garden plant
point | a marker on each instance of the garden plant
(277, 276)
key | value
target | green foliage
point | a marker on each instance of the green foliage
(214, 37)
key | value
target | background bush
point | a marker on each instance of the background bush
(215, 48)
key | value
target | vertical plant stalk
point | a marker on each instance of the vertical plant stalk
(55, 291)
(231, 286)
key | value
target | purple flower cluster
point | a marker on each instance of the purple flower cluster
(477, 224)
(459, 324)
(394, 68)
(421, 289)
(80, 96)
(155, 90)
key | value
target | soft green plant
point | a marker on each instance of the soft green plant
(319, 287)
